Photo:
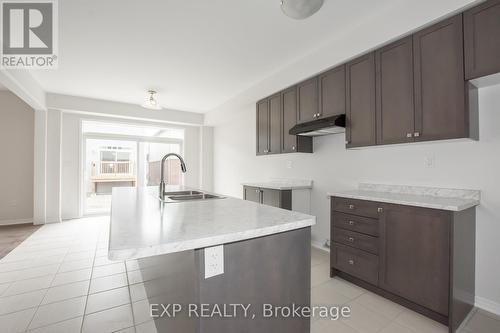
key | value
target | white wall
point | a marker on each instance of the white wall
(53, 171)
(458, 164)
(16, 162)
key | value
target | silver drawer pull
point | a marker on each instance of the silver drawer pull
(351, 262)
(380, 209)
(351, 239)
(351, 206)
(351, 222)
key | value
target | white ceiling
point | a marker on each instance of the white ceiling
(196, 54)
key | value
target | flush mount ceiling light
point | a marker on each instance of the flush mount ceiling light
(151, 102)
(300, 9)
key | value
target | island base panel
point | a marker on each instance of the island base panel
(274, 269)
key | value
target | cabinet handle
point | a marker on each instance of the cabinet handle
(351, 206)
(351, 239)
(380, 210)
(314, 116)
(256, 191)
(416, 134)
(293, 147)
(351, 262)
(409, 135)
(318, 114)
(351, 222)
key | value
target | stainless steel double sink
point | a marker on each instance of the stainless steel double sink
(179, 196)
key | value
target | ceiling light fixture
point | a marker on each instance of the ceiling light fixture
(151, 102)
(300, 9)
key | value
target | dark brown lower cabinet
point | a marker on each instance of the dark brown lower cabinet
(421, 258)
(251, 193)
(414, 255)
(270, 197)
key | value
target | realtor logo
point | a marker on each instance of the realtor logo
(29, 34)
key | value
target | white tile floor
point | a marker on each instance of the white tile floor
(60, 280)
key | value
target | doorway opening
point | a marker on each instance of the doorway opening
(125, 155)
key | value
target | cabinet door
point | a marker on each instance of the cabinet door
(251, 194)
(332, 92)
(289, 142)
(360, 102)
(482, 45)
(394, 84)
(414, 255)
(307, 100)
(271, 197)
(262, 127)
(440, 111)
(275, 124)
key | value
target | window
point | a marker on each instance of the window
(119, 154)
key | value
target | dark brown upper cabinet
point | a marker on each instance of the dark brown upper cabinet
(307, 100)
(263, 127)
(269, 125)
(360, 102)
(440, 111)
(292, 143)
(332, 92)
(275, 124)
(482, 44)
(394, 84)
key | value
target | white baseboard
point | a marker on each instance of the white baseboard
(53, 220)
(320, 246)
(488, 305)
(16, 221)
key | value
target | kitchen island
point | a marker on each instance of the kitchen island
(266, 259)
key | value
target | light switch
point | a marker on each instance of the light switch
(214, 261)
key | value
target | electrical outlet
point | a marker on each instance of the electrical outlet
(327, 243)
(289, 164)
(214, 261)
(430, 161)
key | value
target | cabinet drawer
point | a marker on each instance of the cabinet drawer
(360, 224)
(357, 207)
(358, 263)
(355, 239)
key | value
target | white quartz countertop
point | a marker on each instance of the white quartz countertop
(282, 184)
(142, 226)
(419, 196)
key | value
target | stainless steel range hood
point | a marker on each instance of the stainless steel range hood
(325, 126)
